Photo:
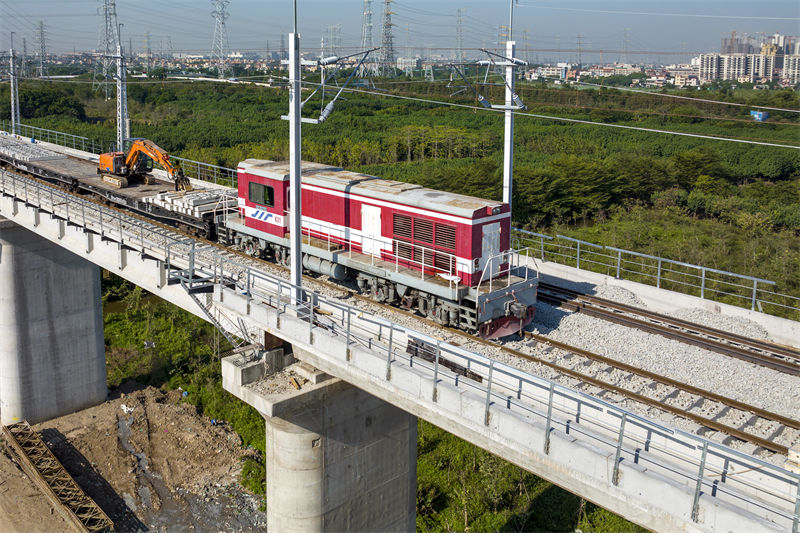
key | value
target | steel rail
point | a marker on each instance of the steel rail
(750, 350)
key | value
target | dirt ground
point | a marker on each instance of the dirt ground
(156, 465)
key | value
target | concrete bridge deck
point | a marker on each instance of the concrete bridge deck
(658, 477)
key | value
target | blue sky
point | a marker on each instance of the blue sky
(555, 24)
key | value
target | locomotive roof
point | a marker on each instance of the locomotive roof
(339, 179)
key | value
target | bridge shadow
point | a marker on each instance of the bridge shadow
(92, 482)
(551, 510)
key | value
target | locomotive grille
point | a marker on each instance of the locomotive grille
(445, 237)
(423, 231)
(402, 226)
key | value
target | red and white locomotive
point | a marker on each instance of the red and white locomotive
(445, 255)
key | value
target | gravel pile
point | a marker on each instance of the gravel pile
(732, 324)
(619, 295)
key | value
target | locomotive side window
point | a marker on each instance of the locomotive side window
(261, 194)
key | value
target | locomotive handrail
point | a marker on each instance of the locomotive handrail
(511, 255)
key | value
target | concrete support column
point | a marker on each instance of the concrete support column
(52, 355)
(338, 459)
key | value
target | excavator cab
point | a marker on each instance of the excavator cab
(112, 162)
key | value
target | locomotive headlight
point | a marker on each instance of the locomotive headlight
(496, 210)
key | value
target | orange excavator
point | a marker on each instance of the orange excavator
(116, 168)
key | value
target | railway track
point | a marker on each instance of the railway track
(673, 387)
(781, 358)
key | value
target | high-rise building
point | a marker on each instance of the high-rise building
(791, 68)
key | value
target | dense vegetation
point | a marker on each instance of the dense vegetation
(726, 205)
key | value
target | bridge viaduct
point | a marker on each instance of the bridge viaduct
(342, 450)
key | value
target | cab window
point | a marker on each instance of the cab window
(261, 194)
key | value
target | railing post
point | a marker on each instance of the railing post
(658, 275)
(488, 394)
(755, 289)
(549, 420)
(578, 265)
(699, 486)
(310, 317)
(191, 266)
(615, 475)
(541, 246)
(389, 356)
(703, 283)
(619, 261)
(436, 370)
(347, 346)
(796, 521)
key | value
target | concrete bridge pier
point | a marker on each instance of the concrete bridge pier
(52, 355)
(338, 459)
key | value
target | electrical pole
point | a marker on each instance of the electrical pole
(14, 89)
(219, 46)
(295, 176)
(508, 141)
(42, 51)
(123, 122)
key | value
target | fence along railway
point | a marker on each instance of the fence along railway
(49, 475)
(67, 208)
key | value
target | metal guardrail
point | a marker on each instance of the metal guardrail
(713, 469)
(707, 283)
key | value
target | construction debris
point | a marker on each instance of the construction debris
(49, 474)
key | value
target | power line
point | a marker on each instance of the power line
(570, 120)
(694, 15)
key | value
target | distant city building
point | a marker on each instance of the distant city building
(738, 67)
(791, 69)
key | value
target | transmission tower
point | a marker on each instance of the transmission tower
(23, 71)
(334, 40)
(42, 51)
(219, 47)
(526, 40)
(284, 55)
(387, 62)
(580, 50)
(368, 67)
(148, 52)
(107, 46)
(460, 36)
(625, 40)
